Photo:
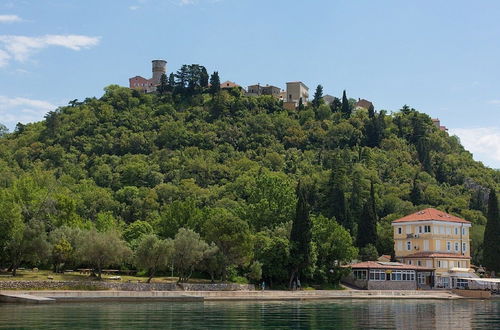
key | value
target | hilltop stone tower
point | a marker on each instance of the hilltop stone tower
(159, 68)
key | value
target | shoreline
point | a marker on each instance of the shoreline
(64, 296)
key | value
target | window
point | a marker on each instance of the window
(377, 274)
(444, 263)
(439, 263)
(419, 263)
(409, 262)
(428, 263)
(438, 245)
(448, 246)
(456, 230)
(421, 278)
(441, 230)
(426, 245)
(360, 274)
(403, 275)
(408, 246)
(420, 229)
(464, 247)
(400, 230)
(427, 229)
(408, 229)
(456, 246)
(448, 231)
(400, 246)
(463, 230)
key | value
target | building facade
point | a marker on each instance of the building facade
(296, 91)
(379, 275)
(256, 90)
(435, 239)
(159, 67)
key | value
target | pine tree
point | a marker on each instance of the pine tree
(367, 229)
(318, 96)
(491, 243)
(346, 108)
(301, 236)
(336, 105)
(214, 83)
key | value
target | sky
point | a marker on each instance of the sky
(439, 57)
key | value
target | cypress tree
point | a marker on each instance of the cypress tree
(318, 96)
(416, 194)
(214, 83)
(171, 82)
(491, 243)
(371, 111)
(346, 108)
(163, 87)
(367, 230)
(203, 77)
(301, 236)
(301, 104)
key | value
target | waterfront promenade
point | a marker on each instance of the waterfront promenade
(181, 296)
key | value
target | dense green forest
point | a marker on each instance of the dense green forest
(194, 164)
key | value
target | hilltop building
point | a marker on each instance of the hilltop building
(296, 91)
(362, 103)
(229, 85)
(438, 240)
(437, 123)
(328, 99)
(159, 67)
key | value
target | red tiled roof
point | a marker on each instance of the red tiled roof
(229, 84)
(382, 265)
(430, 214)
(435, 255)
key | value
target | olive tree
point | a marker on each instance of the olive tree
(189, 250)
(153, 254)
(101, 249)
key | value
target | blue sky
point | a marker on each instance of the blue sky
(440, 57)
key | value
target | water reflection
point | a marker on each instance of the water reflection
(339, 314)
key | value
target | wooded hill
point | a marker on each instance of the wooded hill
(226, 166)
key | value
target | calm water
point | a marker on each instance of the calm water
(340, 314)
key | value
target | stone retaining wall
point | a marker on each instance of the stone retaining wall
(122, 286)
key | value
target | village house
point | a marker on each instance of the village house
(159, 67)
(229, 85)
(256, 90)
(435, 239)
(362, 103)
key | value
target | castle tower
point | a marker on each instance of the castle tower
(159, 68)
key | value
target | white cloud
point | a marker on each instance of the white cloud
(134, 7)
(495, 102)
(24, 110)
(20, 48)
(186, 2)
(484, 143)
(10, 18)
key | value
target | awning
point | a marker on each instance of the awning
(483, 280)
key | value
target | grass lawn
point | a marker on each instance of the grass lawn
(43, 275)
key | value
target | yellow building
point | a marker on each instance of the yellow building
(435, 239)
